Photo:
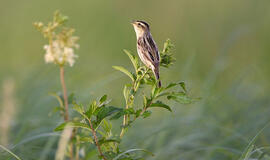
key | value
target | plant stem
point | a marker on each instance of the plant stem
(96, 140)
(77, 153)
(135, 87)
(66, 114)
(124, 124)
(71, 150)
(62, 77)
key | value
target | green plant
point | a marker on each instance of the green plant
(92, 125)
(60, 51)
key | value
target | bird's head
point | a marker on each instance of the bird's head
(140, 28)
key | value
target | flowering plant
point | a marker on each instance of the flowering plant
(60, 49)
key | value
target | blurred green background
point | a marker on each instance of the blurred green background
(222, 49)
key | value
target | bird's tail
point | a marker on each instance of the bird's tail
(156, 72)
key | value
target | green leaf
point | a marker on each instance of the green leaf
(153, 91)
(146, 114)
(138, 113)
(125, 71)
(72, 125)
(92, 108)
(102, 99)
(133, 59)
(71, 98)
(145, 101)
(80, 110)
(86, 140)
(103, 141)
(166, 57)
(150, 80)
(123, 112)
(183, 85)
(118, 115)
(167, 46)
(129, 111)
(171, 85)
(180, 97)
(60, 101)
(156, 91)
(161, 104)
(107, 126)
(163, 94)
(126, 92)
(105, 112)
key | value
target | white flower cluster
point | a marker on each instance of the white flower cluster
(60, 53)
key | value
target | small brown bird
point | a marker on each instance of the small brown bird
(147, 48)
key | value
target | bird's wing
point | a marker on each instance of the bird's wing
(152, 48)
(145, 50)
(149, 52)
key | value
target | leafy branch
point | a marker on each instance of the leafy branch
(96, 116)
(143, 76)
(90, 121)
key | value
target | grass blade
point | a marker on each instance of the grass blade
(246, 154)
(7, 150)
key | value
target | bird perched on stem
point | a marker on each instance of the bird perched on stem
(147, 48)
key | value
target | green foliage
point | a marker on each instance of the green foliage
(106, 112)
(96, 116)
(160, 104)
(72, 125)
(166, 56)
(251, 149)
(142, 77)
(134, 60)
(91, 123)
(122, 69)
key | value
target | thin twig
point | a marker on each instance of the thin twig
(96, 140)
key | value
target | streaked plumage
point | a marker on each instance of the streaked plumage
(147, 48)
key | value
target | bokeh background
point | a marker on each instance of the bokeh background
(222, 50)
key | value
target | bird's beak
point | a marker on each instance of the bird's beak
(132, 22)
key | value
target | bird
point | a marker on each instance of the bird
(147, 48)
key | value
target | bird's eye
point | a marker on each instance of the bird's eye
(139, 24)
